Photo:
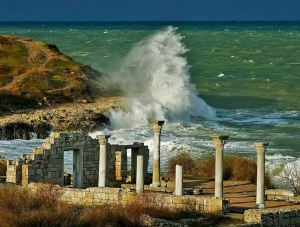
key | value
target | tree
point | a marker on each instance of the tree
(291, 175)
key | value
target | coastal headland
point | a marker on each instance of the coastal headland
(42, 89)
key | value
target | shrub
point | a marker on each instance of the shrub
(234, 167)
(183, 159)
(205, 166)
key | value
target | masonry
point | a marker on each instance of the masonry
(107, 195)
(47, 162)
(99, 172)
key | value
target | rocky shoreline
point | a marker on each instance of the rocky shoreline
(88, 117)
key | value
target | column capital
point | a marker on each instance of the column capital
(157, 126)
(219, 140)
(261, 147)
(103, 139)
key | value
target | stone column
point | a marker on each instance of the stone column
(178, 180)
(103, 139)
(139, 174)
(260, 188)
(157, 126)
(219, 141)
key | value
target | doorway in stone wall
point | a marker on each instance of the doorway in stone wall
(73, 168)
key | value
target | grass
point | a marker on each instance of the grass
(43, 207)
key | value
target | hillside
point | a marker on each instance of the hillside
(34, 73)
(42, 89)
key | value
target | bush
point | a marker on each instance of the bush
(234, 167)
(183, 159)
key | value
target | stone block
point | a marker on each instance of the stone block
(87, 200)
(55, 134)
(80, 193)
(69, 193)
(38, 151)
(180, 200)
(89, 194)
(47, 145)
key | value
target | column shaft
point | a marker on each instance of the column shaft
(140, 174)
(157, 126)
(260, 188)
(178, 180)
(102, 159)
(219, 173)
(219, 142)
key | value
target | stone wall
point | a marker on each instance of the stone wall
(279, 194)
(106, 195)
(47, 162)
(273, 218)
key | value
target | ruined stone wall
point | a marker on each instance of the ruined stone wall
(106, 195)
(273, 218)
(279, 194)
(47, 162)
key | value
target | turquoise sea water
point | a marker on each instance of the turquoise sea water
(236, 78)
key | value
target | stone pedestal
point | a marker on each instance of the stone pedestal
(178, 180)
(140, 174)
(103, 139)
(260, 188)
(157, 126)
(219, 141)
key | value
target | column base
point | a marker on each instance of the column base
(155, 185)
(260, 206)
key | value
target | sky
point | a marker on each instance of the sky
(149, 10)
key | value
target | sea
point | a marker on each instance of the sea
(240, 79)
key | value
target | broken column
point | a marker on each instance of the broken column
(178, 180)
(103, 139)
(157, 126)
(219, 141)
(260, 188)
(139, 174)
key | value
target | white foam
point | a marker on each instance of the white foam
(156, 70)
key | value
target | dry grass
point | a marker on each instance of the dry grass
(234, 167)
(36, 71)
(43, 207)
(20, 207)
(183, 159)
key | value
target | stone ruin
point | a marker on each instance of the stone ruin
(100, 173)
(47, 163)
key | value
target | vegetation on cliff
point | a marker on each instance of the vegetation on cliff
(34, 73)
(42, 89)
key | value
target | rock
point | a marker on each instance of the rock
(37, 74)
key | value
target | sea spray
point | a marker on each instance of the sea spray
(155, 75)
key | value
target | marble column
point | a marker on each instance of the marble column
(103, 139)
(219, 141)
(178, 180)
(157, 126)
(260, 188)
(139, 174)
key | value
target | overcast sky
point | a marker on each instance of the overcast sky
(148, 10)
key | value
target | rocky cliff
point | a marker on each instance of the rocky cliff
(42, 89)
(34, 73)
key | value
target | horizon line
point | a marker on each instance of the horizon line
(142, 21)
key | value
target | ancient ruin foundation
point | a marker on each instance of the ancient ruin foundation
(47, 162)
